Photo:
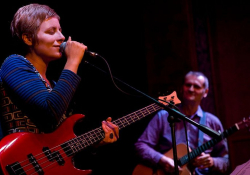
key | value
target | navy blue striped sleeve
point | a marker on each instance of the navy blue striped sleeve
(29, 92)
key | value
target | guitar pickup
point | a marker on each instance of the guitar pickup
(48, 154)
(58, 158)
(53, 156)
(15, 169)
(37, 167)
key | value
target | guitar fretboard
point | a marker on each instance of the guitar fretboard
(185, 159)
(75, 145)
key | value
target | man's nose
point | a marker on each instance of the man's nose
(191, 87)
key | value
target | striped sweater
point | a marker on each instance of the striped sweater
(28, 103)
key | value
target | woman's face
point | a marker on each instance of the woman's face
(49, 38)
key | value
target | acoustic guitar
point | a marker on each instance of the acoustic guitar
(182, 154)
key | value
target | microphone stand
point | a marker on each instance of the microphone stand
(174, 116)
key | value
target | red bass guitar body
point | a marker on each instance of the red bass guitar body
(28, 153)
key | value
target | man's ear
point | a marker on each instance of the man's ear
(26, 39)
(205, 94)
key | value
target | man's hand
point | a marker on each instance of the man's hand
(203, 161)
(167, 165)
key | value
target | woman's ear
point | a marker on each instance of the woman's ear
(26, 39)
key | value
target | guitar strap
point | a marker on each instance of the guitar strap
(202, 122)
(200, 141)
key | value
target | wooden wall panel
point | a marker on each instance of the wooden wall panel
(230, 45)
(239, 150)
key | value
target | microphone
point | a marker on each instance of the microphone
(63, 46)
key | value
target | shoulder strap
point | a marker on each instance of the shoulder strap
(202, 122)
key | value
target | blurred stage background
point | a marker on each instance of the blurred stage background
(150, 45)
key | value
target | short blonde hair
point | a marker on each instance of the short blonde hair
(28, 19)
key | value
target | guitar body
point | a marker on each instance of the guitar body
(145, 170)
(16, 148)
(182, 153)
(27, 153)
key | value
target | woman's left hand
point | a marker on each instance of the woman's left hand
(111, 131)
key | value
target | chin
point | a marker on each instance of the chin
(57, 56)
(190, 97)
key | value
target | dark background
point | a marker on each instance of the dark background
(150, 45)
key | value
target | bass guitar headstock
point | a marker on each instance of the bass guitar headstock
(170, 99)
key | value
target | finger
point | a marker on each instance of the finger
(109, 136)
(110, 124)
(108, 129)
(114, 127)
(69, 39)
(117, 132)
(105, 127)
(109, 119)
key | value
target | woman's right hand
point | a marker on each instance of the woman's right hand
(74, 52)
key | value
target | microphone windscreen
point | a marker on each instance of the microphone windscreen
(62, 47)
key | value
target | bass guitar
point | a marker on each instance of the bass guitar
(184, 157)
(27, 153)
